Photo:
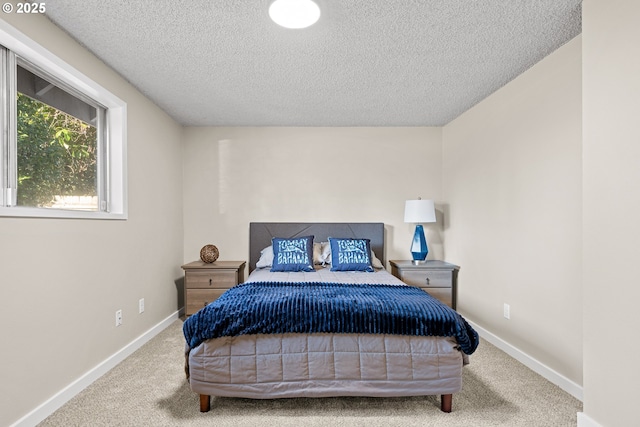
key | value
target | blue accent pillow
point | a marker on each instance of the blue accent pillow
(350, 254)
(294, 254)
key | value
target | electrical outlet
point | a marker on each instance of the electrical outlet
(507, 311)
(141, 306)
(118, 317)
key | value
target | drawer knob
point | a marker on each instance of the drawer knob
(210, 282)
(428, 281)
(206, 303)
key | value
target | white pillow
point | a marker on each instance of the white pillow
(266, 258)
(317, 254)
(325, 253)
(375, 262)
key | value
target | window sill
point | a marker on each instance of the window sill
(21, 212)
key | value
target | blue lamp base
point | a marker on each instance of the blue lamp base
(419, 249)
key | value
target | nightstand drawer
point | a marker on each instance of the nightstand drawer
(198, 298)
(428, 279)
(211, 279)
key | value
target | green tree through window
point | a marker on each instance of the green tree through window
(56, 155)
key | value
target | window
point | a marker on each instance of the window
(57, 144)
(62, 146)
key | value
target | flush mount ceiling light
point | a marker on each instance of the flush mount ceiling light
(294, 13)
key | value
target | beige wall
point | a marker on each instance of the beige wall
(63, 279)
(611, 69)
(233, 176)
(512, 182)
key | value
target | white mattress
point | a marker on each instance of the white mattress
(324, 274)
(319, 365)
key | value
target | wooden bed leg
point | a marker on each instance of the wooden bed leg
(205, 403)
(445, 402)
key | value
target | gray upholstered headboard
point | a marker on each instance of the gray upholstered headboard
(261, 233)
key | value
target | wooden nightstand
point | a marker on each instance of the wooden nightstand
(438, 278)
(204, 283)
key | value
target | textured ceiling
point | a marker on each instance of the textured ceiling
(364, 63)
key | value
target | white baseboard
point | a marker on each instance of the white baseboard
(67, 393)
(541, 369)
(585, 421)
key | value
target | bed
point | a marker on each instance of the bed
(274, 341)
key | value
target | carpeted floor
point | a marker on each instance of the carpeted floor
(149, 389)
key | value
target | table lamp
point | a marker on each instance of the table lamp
(419, 212)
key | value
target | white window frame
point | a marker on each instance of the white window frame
(115, 155)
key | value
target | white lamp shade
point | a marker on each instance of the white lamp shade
(294, 13)
(419, 211)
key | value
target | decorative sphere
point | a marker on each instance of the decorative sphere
(209, 253)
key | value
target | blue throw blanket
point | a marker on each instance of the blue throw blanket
(274, 308)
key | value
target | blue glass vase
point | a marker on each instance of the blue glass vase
(419, 248)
